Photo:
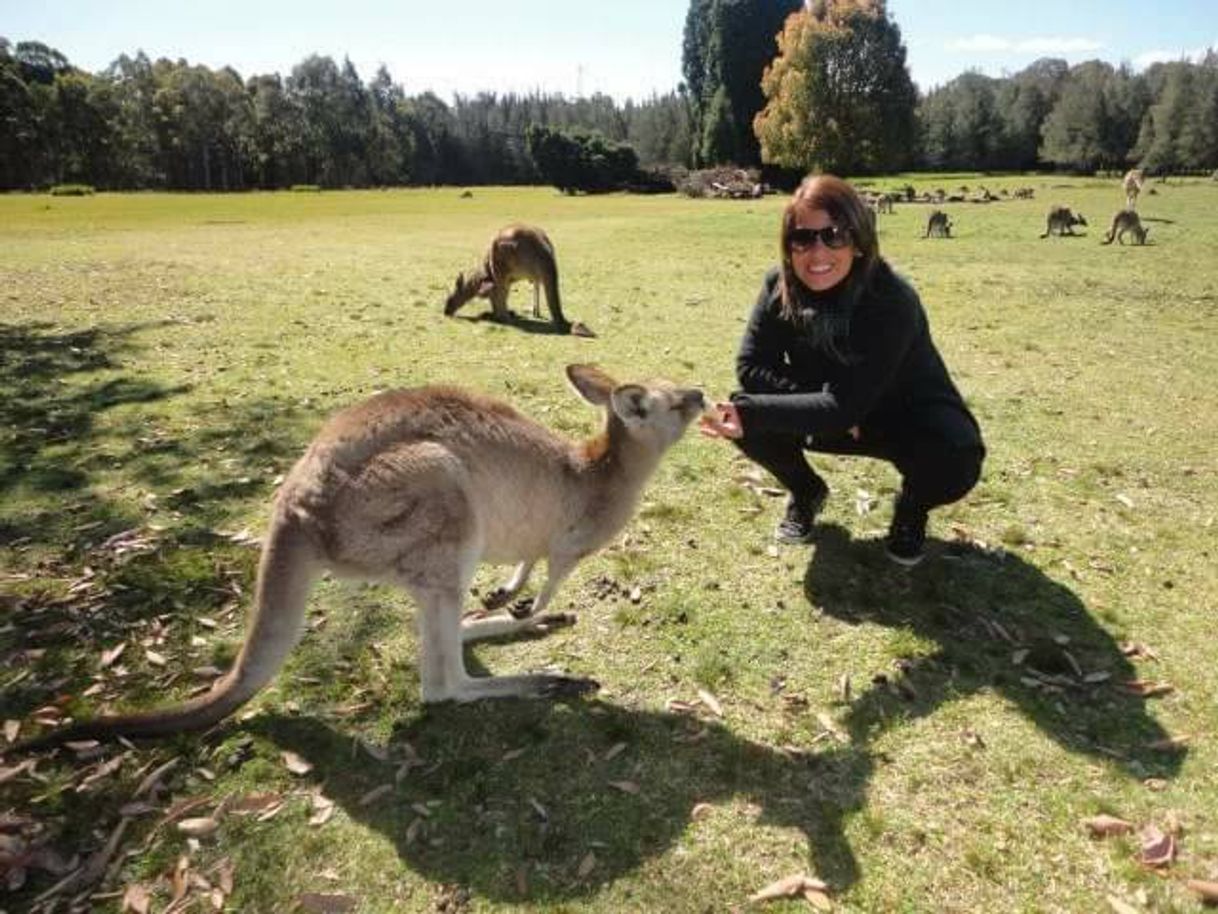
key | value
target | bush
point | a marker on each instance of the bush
(305, 188)
(72, 190)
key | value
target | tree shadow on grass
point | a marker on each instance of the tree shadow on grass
(72, 478)
(985, 612)
(507, 799)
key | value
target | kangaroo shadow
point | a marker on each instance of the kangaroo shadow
(539, 326)
(507, 799)
(1000, 623)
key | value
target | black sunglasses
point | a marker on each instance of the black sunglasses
(834, 237)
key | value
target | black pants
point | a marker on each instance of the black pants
(935, 468)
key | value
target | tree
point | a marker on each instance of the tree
(839, 95)
(1083, 130)
(727, 46)
(581, 161)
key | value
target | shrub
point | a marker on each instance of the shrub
(72, 190)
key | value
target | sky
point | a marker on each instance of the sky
(624, 48)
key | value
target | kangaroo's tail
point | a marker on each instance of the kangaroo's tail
(286, 572)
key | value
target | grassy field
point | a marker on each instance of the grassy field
(930, 740)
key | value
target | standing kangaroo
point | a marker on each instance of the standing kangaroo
(1126, 220)
(415, 488)
(1132, 183)
(1063, 219)
(938, 224)
(517, 252)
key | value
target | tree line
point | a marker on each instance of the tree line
(799, 85)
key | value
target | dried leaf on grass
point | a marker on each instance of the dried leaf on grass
(1147, 688)
(11, 729)
(1170, 744)
(793, 887)
(295, 764)
(1158, 849)
(199, 827)
(137, 898)
(1121, 907)
(323, 810)
(625, 786)
(1104, 826)
(587, 865)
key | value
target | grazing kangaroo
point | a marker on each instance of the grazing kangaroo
(1063, 219)
(1126, 220)
(1132, 182)
(416, 487)
(517, 252)
(938, 225)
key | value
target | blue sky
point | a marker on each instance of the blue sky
(627, 48)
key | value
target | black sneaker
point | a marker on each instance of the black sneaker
(906, 543)
(799, 524)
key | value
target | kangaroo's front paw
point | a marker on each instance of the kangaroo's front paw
(521, 609)
(568, 687)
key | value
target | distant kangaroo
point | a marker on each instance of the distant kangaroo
(1063, 219)
(517, 252)
(938, 225)
(1132, 183)
(415, 488)
(1126, 220)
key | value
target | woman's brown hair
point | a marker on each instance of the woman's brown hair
(848, 211)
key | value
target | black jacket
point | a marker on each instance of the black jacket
(895, 381)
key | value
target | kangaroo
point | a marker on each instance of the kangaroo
(1126, 220)
(1062, 219)
(416, 487)
(938, 225)
(1132, 183)
(517, 252)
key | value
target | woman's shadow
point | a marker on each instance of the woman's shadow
(1000, 624)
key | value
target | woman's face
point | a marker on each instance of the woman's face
(819, 266)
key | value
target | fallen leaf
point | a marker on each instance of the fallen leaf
(1103, 826)
(295, 764)
(711, 702)
(587, 865)
(136, 898)
(790, 887)
(254, 802)
(701, 811)
(1124, 499)
(154, 658)
(818, 899)
(1121, 907)
(1158, 849)
(375, 794)
(319, 903)
(1169, 744)
(323, 810)
(972, 738)
(1147, 688)
(199, 827)
(614, 750)
(629, 787)
(513, 754)
(108, 657)
(11, 729)
(1206, 889)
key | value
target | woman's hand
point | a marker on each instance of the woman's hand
(723, 421)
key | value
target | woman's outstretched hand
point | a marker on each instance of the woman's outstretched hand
(722, 421)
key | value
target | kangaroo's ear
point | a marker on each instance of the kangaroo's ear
(631, 402)
(457, 283)
(591, 383)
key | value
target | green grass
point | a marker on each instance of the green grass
(164, 359)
